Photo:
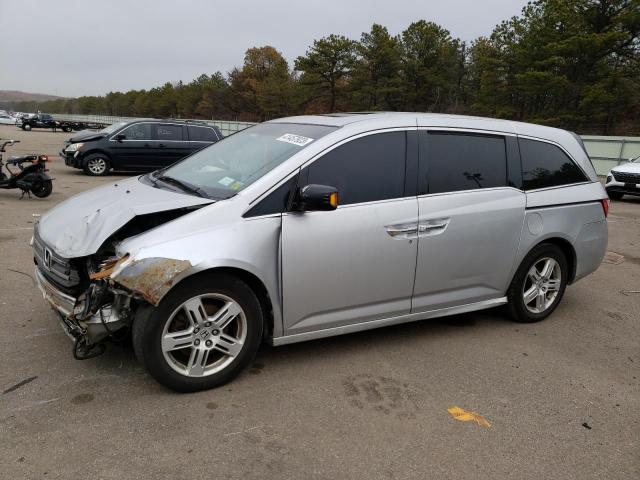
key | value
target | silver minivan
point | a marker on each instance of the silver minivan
(313, 226)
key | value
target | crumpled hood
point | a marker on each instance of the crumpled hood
(628, 167)
(78, 226)
(86, 135)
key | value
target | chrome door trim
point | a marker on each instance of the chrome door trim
(480, 131)
(384, 322)
(403, 230)
(488, 189)
(408, 128)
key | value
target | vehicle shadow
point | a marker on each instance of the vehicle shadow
(380, 339)
(309, 352)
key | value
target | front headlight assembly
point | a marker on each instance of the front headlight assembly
(74, 147)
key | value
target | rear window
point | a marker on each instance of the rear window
(202, 134)
(546, 165)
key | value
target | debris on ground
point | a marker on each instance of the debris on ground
(466, 416)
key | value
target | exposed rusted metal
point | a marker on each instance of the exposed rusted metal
(108, 268)
(151, 277)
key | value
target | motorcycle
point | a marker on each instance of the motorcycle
(31, 178)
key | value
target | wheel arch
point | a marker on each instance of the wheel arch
(259, 288)
(93, 151)
(251, 279)
(568, 250)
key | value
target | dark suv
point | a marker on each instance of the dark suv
(139, 145)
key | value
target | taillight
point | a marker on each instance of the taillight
(605, 206)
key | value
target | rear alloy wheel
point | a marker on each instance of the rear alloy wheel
(26, 127)
(539, 284)
(96, 165)
(201, 335)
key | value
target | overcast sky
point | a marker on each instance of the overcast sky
(91, 47)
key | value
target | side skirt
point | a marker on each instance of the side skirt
(384, 322)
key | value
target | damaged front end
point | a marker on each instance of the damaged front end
(97, 296)
(99, 313)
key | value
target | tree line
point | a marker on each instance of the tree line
(568, 63)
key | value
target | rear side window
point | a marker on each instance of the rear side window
(367, 169)
(546, 165)
(202, 134)
(451, 162)
(168, 132)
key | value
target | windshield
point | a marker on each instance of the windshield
(113, 127)
(232, 164)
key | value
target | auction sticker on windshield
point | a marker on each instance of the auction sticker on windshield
(295, 139)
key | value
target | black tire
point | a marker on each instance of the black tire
(97, 165)
(615, 195)
(518, 310)
(42, 189)
(26, 127)
(148, 328)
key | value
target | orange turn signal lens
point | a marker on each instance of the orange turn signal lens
(333, 199)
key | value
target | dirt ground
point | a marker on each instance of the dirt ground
(562, 396)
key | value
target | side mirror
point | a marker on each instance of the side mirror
(316, 198)
(120, 137)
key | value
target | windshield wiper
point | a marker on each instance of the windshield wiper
(183, 186)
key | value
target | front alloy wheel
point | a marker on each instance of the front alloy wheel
(96, 165)
(202, 334)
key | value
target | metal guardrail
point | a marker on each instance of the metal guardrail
(227, 127)
(605, 152)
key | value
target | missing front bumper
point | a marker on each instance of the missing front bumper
(60, 301)
(92, 329)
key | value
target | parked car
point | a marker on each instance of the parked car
(6, 119)
(314, 226)
(140, 145)
(624, 180)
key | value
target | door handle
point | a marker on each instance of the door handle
(161, 145)
(147, 145)
(431, 226)
(395, 230)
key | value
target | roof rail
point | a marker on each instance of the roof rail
(203, 122)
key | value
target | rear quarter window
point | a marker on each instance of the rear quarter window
(202, 134)
(546, 165)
